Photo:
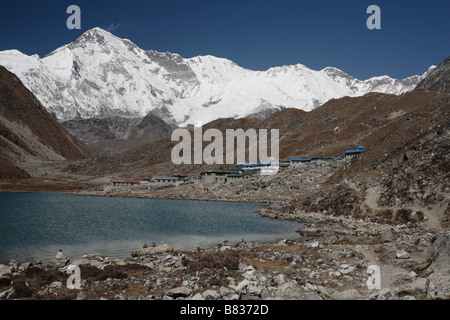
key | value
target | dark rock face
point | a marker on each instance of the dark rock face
(439, 79)
(174, 64)
(96, 129)
(118, 134)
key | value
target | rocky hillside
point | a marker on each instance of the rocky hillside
(28, 132)
(405, 164)
(438, 80)
(377, 121)
(118, 134)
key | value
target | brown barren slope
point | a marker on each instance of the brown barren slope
(28, 132)
(381, 123)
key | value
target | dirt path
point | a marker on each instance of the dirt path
(372, 198)
(433, 214)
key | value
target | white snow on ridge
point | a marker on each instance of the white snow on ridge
(101, 75)
(19, 62)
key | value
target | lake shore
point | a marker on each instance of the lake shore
(328, 261)
(312, 269)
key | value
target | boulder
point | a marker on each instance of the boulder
(13, 265)
(198, 297)
(96, 256)
(315, 244)
(211, 295)
(324, 292)
(351, 294)
(346, 269)
(242, 267)
(279, 279)
(305, 270)
(59, 263)
(417, 288)
(254, 289)
(84, 262)
(242, 285)
(412, 275)
(249, 297)
(7, 293)
(24, 266)
(387, 236)
(250, 273)
(225, 291)
(438, 286)
(312, 296)
(382, 294)
(289, 291)
(281, 207)
(162, 248)
(60, 256)
(56, 285)
(309, 232)
(402, 254)
(439, 253)
(5, 270)
(180, 292)
(81, 296)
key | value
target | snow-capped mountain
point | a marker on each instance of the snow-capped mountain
(102, 75)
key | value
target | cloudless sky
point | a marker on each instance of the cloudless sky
(256, 34)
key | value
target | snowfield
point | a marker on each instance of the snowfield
(102, 75)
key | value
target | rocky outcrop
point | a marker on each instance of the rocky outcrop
(118, 134)
(438, 79)
(439, 253)
(162, 248)
(439, 286)
(4, 271)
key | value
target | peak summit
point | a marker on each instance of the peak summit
(96, 30)
(101, 75)
(96, 35)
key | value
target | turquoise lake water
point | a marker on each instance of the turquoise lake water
(34, 226)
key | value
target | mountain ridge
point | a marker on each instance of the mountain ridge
(28, 133)
(101, 75)
(438, 79)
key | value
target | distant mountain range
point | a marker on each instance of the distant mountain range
(100, 75)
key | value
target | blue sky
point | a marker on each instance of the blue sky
(256, 34)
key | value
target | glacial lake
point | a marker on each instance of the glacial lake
(34, 226)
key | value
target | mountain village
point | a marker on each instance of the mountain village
(227, 174)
